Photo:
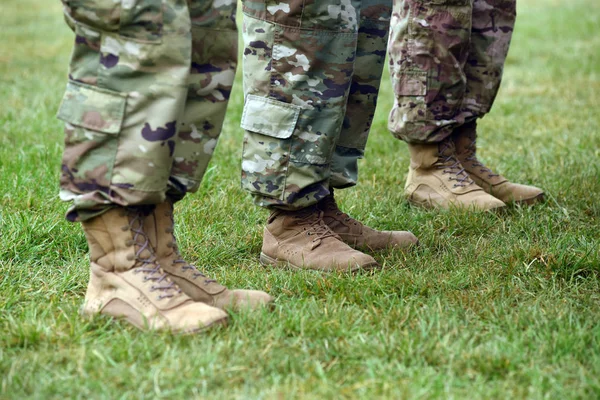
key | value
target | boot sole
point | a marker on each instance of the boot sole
(267, 261)
(89, 315)
(540, 198)
(430, 206)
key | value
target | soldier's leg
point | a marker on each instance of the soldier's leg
(298, 67)
(213, 65)
(491, 32)
(360, 109)
(127, 87)
(428, 49)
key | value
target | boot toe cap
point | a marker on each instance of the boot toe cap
(487, 202)
(195, 317)
(525, 194)
(402, 239)
(251, 299)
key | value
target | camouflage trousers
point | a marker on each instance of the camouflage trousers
(149, 82)
(312, 70)
(446, 62)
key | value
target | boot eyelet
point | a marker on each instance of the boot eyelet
(130, 257)
(153, 288)
(129, 242)
(125, 228)
(308, 233)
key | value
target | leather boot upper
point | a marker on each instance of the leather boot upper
(127, 282)
(437, 179)
(193, 282)
(465, 140)
(356, 234)
(301, 239)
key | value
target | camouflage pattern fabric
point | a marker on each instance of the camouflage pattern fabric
(446, 62)
(311, 77)
(149, 82)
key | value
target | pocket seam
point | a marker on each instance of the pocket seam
(290, 130)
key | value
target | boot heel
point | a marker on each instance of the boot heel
(267, 261)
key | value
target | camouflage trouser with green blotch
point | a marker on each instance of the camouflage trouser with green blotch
(149, 82)
(311, 76)
(446, 62)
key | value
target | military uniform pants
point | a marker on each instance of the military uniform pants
(446, 62)
(311, 78)
(149, 82)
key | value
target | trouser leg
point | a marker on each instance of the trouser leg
(213, 65)
(298, 66)
(127, 86)
(491, 32)
(428, 49)
(370, 57)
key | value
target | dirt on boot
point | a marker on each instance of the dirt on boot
(465, 138)
(437, 179)
(301, 239)
(359, 236)
(127, 282)
(191, 280)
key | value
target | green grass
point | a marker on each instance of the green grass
(490, 306)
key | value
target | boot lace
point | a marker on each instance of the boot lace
(312, 220)
(475, 163)
(179, 260)
(449, 164)
(148, 265)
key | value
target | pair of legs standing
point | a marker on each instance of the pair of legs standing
(149, 82)
(312, 71)
(446, 63)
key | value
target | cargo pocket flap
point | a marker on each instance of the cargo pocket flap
(270, 117)
(412, 83)
(93, 108)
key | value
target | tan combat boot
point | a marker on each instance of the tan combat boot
(498, 186)
(302, 240)
(437, 179)
(193, 282)
(126, 281)
(359, 236)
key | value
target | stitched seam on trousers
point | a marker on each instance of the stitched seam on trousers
(100, 84)
(297, 28)
(277, 40)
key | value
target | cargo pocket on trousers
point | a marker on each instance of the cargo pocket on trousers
(93, 118)
(269, 125)
(410, 89)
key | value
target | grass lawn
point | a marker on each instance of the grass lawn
(490, 306)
